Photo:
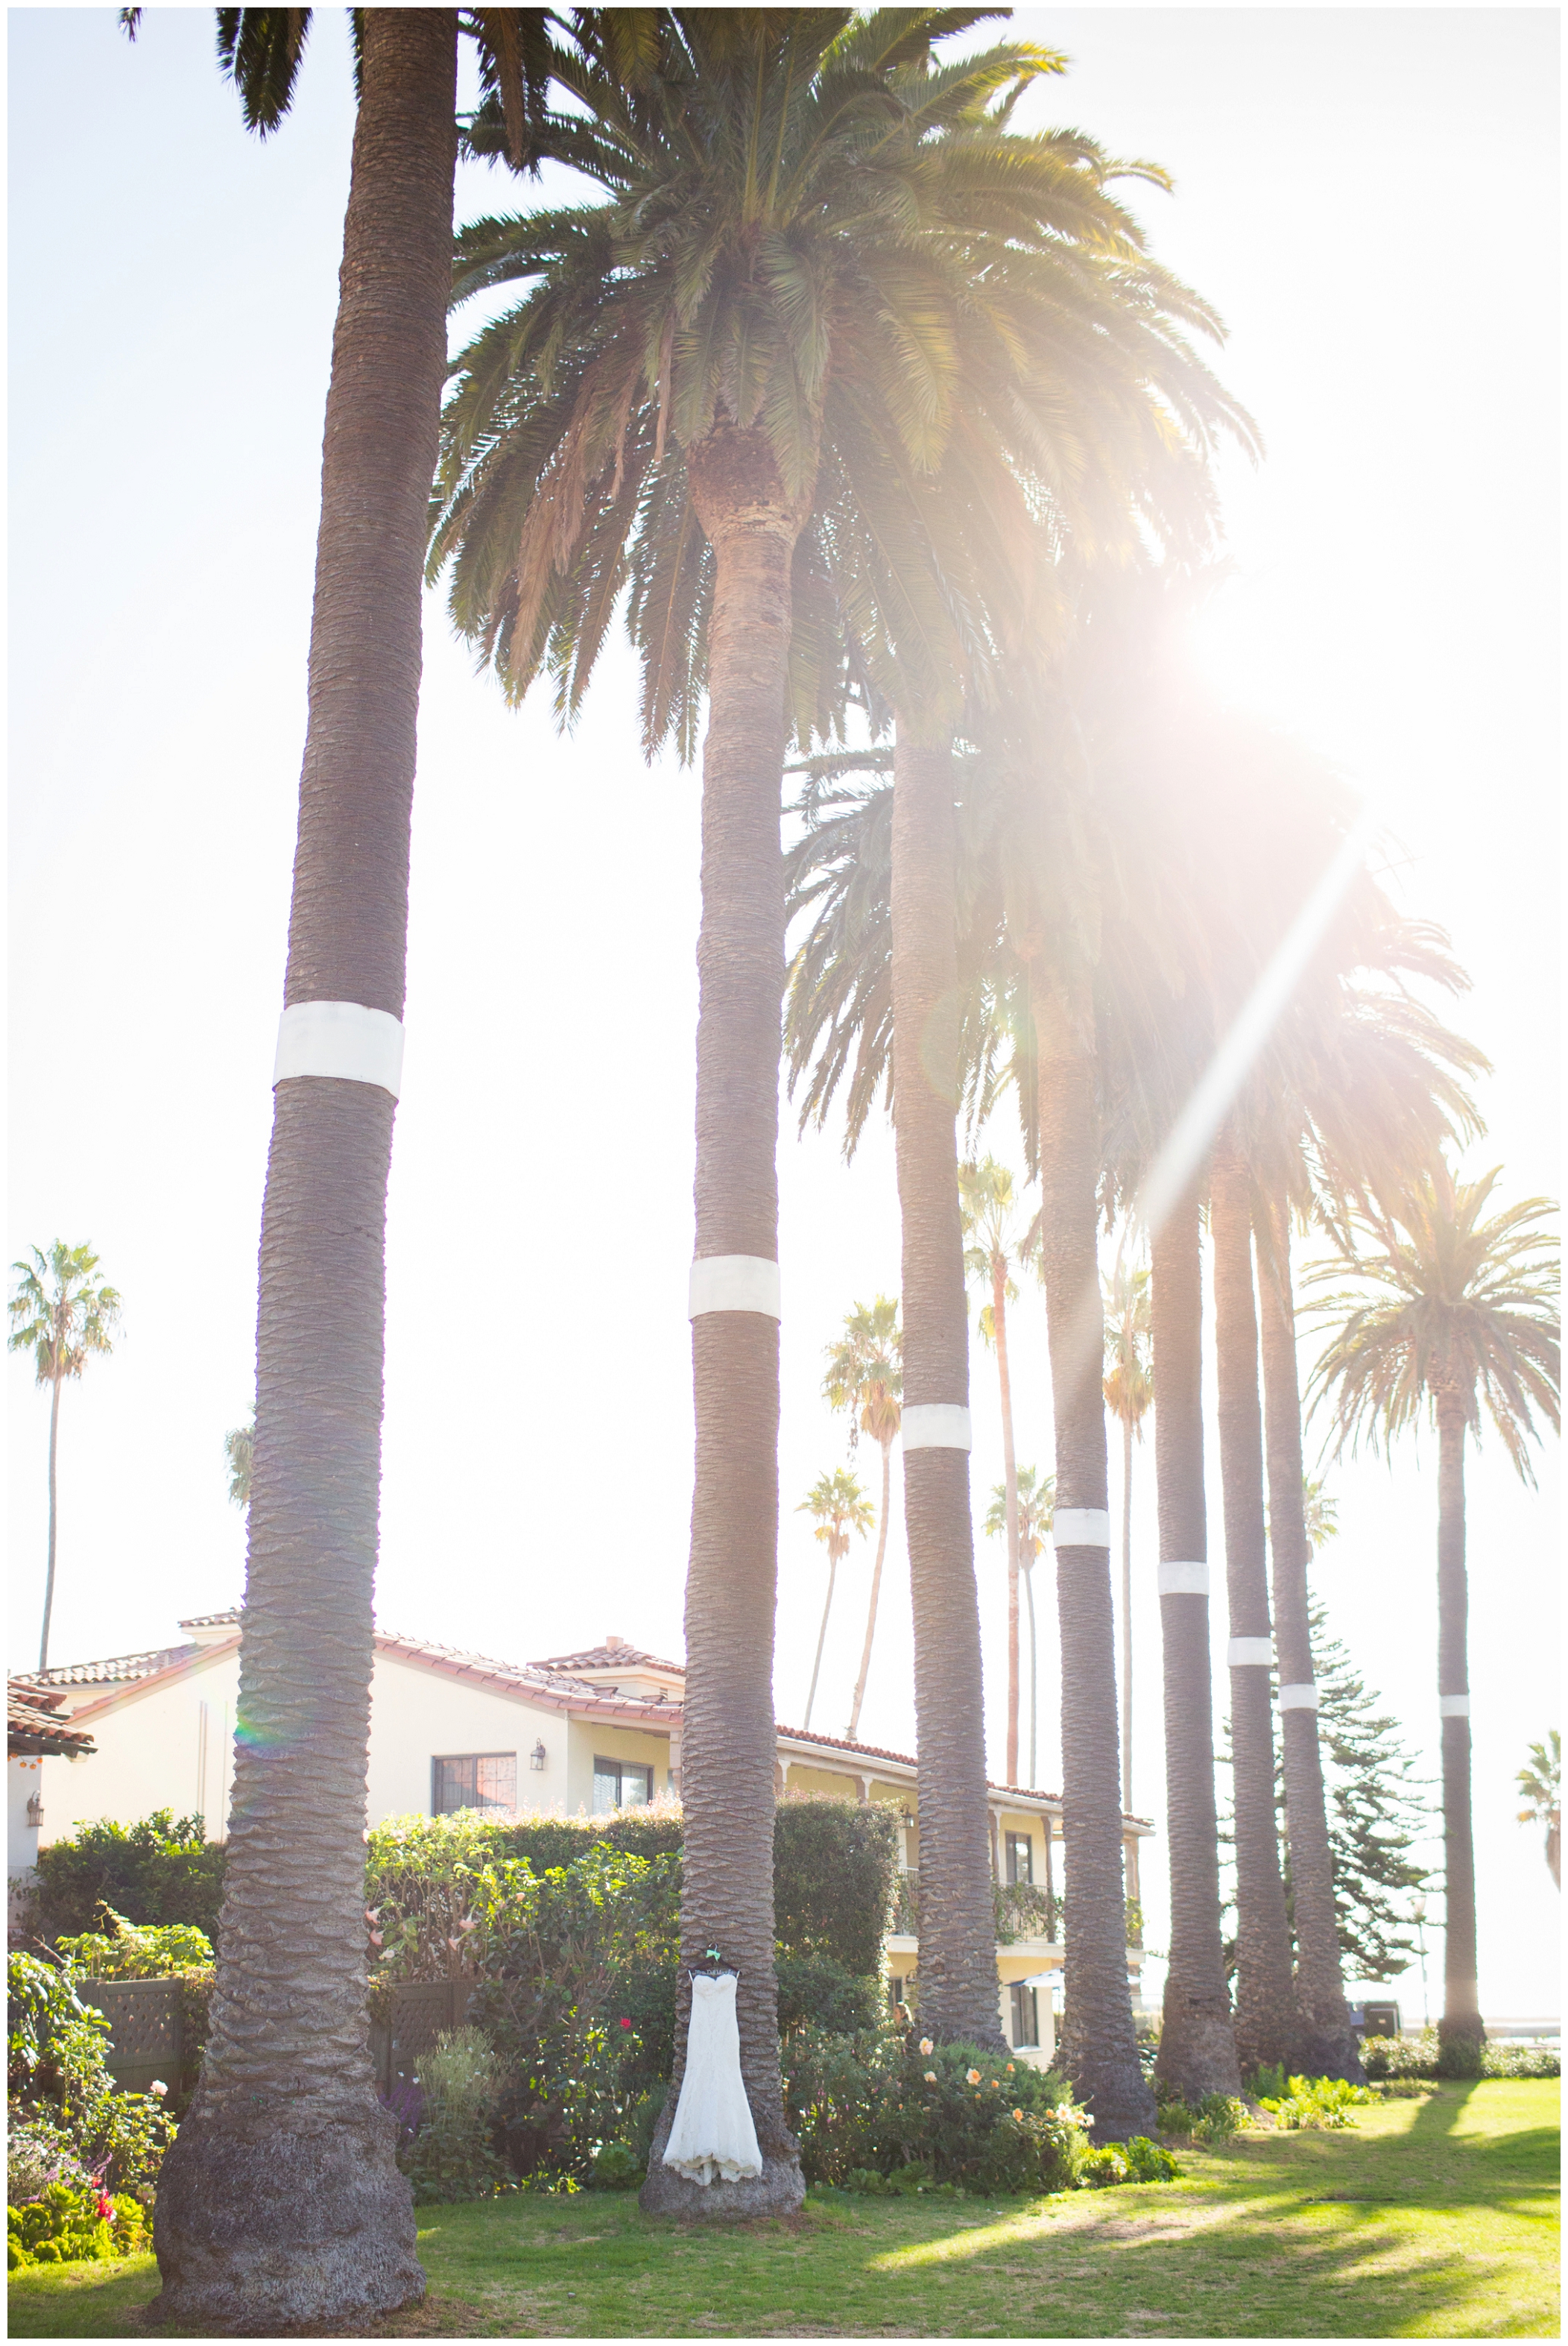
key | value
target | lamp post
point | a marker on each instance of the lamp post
(1419, 1917)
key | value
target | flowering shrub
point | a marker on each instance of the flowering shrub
(873, 2103)
(59, 2087)
(67, 2224)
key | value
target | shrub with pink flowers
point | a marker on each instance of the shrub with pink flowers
(922, 2115)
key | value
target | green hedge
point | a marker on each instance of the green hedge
(163, 1869)
(835, 1869)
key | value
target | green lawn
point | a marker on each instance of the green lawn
(1435, 2218)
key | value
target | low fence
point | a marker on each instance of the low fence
(146, 2029)
(421, 2010)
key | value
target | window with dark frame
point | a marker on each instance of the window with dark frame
(472, 1779)
(1020, 1858)
(620, 1784)
(1025, 2013)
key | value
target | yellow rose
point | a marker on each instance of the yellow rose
(930, 2076)
(927, 2048)
(1019, 2116)
(972, 2077)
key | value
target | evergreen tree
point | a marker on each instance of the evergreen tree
(1378, 1811)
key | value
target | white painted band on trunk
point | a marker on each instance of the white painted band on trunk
(342, 1039)
(1189, 1579)
(733, 1283)
(936, 1425)
(1454, 1706)
(1250, 1653)
(1081, 1527)
(1299, 1698)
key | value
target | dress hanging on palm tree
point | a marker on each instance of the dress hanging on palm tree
(713, 2140)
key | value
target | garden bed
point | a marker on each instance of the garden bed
(1433, 2217)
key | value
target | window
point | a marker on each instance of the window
(478, 1780)
(1025, 2013)
(1020, 1858)
(620, 1784)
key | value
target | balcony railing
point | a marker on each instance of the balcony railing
(1023, 1912)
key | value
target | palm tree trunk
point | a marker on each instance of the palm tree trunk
(1127, 1616)
(1197, 2045)
(1266, 2026)
(729, 1739)
(1459, 2031)
(1010, 1473)
(49, 1575)
(876, 1593)
(1033, 1677)
(958, 1990)
(822, 1635)
(280, 2203)
(1100, 2045)
(1330, 2045)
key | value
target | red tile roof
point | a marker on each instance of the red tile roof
(33, 1728)
(613, 1656)
(120, 1669)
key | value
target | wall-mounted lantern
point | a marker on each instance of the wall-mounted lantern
(538, 1759)
(34, 1811)
(907, 1818)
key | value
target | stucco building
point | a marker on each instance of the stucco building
(579, 1733)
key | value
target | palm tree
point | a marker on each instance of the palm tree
(1320, 1514)
(60, 1312)
(1031, 1510)
(865, 1376)
(1451, 1310)
(1540, 1783)
(240, 1449)
(840, 1507)
(285, 2124)
(1267, 2022)
(1129, 1388)
(1198, 2052)
(989, 1222)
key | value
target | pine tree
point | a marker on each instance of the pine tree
(1378, 1811)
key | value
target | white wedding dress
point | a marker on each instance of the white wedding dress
(713, 2137)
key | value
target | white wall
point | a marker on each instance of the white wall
(150, 1750)
(418, 1715)
(23, 1779)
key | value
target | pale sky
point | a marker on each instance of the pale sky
(1368, 195)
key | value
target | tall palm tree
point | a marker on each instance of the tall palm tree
(286, 2126)
(1541, 1781)
(774, 293)
(1129, 1388)
(1033, 1505)
(1197, 2053)
(989, 1215)
(240, 1449)
(840, 1507)
(1449, 1310)
(1268, 2023)
(865, 1377)
(61, 1312)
